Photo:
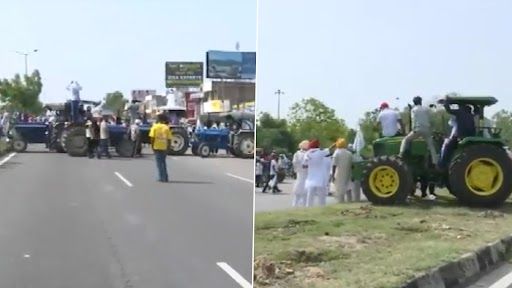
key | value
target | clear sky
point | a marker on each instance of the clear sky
(109, 45)
(354, 54)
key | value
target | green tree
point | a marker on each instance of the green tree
(310, 118)
(115, 101)
(273, 134)
(503, 120)
(22, 94)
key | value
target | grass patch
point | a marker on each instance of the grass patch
(360, 245)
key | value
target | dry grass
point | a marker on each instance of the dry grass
(359, 245)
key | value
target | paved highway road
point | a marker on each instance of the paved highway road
(75, 222)
(500, 277)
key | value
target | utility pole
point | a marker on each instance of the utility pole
(279, 93)
(25, 54)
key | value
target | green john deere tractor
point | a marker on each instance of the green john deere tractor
(476, 173)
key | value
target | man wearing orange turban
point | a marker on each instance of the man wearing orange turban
(342, 170)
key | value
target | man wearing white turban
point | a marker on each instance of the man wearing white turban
(299, 189)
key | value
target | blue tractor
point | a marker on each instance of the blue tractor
(237, 138)
(210, 136)
(66, 134)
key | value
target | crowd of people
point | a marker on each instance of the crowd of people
(318, 168)
(320, 172)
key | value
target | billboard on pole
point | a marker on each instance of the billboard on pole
(183, 74)
(231, 65)
(140, 95)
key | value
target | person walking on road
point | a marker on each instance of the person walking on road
(104, 139)
(299, 189)
(314, 162)
(342, 170)
(160, 136)
(272, 181)
(135, 137)
(421, 127)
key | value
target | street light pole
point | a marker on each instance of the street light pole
(279, 93)
(25, 54)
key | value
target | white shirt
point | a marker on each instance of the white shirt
(388, 119)
(259, 169)
(104, 133)
(134, 132)
(298, 161)
(315, 161)
(75, 88)
(273, 167)
(420, 116)
(342, 159)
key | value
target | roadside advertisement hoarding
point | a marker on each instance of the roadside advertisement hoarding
(216, 106)
(183, 74)
(231, 65)
(140, 95)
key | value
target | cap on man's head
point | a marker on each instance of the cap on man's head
(384, 105)
(315, 143)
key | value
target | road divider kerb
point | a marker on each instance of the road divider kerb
(237, 277)
(240, 178)
(9, 157)
(128, 183)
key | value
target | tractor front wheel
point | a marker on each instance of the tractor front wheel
(387, 181)
(477, 175)
(204, 150)
(19, 145)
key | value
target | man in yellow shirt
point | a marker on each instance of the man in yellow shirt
(160, 136)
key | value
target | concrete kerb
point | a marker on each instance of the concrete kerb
(467, 267)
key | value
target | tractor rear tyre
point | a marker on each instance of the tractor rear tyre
(179, 142)
(386, 181)
(233, 151)
(244, 146)
(76, 142)
(19, 144)
(204, 150)
(478, 176)
(125, 148)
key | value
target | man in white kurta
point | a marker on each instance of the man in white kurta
(299, 189)
(314, 161)
(342, 170)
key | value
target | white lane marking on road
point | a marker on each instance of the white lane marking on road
(123, 179)
(237, 277)
(7, 158)
(240, 178)
(26, 256)
(505, 281)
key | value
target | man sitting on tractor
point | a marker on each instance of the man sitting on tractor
(463, 125)
(421, 118)
(389, 120)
